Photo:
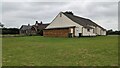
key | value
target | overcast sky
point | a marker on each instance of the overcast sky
(15, 14)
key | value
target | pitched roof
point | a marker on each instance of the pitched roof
(41, 26)
(25, 27)
(82, 21)
(88, 27)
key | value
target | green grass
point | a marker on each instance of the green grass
(45, 51)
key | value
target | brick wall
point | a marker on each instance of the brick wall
(56, 32)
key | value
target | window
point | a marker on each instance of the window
(71, 30)
(88, 30)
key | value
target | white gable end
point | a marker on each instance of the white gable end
(62, 21)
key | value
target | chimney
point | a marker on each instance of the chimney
(69, 12)
(28, 24)
(41, 22)
(36, 22)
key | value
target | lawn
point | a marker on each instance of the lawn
(46, 51)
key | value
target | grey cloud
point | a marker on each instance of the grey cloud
(107, 9)
(97, 9)
(17, 13)
(23, 12)
(9, 7)
(59, 0)
(101, 12)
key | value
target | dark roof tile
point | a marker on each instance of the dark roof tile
(25, 27)
(82, 21)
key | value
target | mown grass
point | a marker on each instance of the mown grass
(46, 51)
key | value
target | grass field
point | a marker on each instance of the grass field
(45, 51)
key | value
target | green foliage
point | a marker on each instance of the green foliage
(10, 31)
(111, 32)
(46, 51)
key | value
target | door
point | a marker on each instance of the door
(77, 31)
(80, 34)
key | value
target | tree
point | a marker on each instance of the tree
(10, 31)
(111, 32)
(1, 25)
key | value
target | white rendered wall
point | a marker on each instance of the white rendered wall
(88, 33)
(100, 31)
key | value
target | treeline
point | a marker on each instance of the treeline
(16, 31)
(111, 32)
(9, 30)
